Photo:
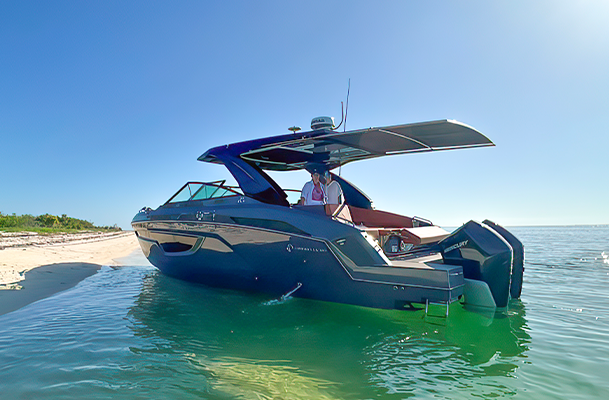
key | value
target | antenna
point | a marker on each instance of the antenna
(347, 106)
(342, 115)
(343, 112)
(340, 164)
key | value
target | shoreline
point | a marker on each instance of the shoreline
(36, 251)
(25, 238)
(31, 272)
(44, 281)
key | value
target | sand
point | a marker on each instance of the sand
(35, 269)
(94, 249)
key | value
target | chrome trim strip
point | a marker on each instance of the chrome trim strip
(219, 224)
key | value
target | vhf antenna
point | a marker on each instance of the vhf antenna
(343, 119)
(347, 106)
(343, 111)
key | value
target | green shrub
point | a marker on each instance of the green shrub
(48, 222)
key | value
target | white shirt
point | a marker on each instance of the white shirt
(334, 193)
(307, 194)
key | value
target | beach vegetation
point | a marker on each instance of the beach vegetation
(47, 223)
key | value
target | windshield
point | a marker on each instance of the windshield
(204, 191)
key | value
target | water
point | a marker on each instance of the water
(132, 333)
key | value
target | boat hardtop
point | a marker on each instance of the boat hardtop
(325, 149)
(332, 149)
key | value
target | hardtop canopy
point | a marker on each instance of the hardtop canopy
(331, 149)
(324, 150)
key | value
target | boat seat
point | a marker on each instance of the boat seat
(416, 236)
(392, 224)
(378, 219)
(423, 234)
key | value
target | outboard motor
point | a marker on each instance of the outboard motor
(484, 255)
(518, 257)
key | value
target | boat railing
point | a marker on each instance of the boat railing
(192, 191)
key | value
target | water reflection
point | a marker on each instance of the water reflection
(467, 350)
(246, 347)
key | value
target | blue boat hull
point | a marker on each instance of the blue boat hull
(275, 263)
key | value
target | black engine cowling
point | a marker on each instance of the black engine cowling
(484, 255)
(517, 254)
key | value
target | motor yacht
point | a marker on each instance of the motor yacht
(252, 236)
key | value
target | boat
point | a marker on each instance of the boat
(253, 237)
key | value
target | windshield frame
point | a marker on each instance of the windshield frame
(193, 191)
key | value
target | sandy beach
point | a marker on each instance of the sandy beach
(19, 254)
(36, 266)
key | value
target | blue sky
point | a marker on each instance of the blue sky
(105, 106)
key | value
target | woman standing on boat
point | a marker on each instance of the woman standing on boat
(313, 192)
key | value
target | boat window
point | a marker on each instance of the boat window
(186, 192)
(222, 192)
(293, 195)
(203, 191)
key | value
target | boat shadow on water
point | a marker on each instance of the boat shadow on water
(246, 345)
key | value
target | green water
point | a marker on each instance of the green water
(133, 333)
